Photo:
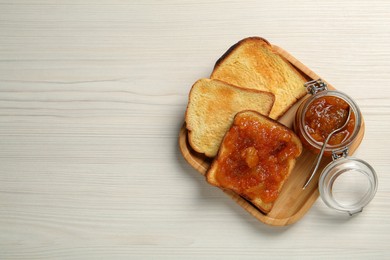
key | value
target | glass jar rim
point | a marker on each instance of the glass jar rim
(342, 166)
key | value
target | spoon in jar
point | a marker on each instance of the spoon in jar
(319, 157)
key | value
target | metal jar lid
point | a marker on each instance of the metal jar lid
(348, 184)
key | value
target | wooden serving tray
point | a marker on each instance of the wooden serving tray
(293, 202)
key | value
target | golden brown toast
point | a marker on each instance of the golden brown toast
(252, 63)
(255, 159)
(211, 108)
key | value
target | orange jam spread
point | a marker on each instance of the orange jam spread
(326, 114)
(255, 158)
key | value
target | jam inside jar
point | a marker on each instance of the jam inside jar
(318, 116)
(322, 113)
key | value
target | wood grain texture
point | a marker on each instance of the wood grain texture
(93, 94)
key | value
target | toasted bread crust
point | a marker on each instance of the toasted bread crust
(235, 46)
(253, 63)
(215, 166)
(211, 109)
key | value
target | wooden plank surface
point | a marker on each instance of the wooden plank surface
(92, 97)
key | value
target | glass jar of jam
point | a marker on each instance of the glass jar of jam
(346, 184)
(323, 112)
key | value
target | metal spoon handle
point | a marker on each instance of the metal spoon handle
(319, 157)
(318, 160)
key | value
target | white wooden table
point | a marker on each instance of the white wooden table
(92, 96)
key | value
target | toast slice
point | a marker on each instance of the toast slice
(211, 109)
(252, 63)
(256, 157)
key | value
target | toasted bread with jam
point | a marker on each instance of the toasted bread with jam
(255, 159)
